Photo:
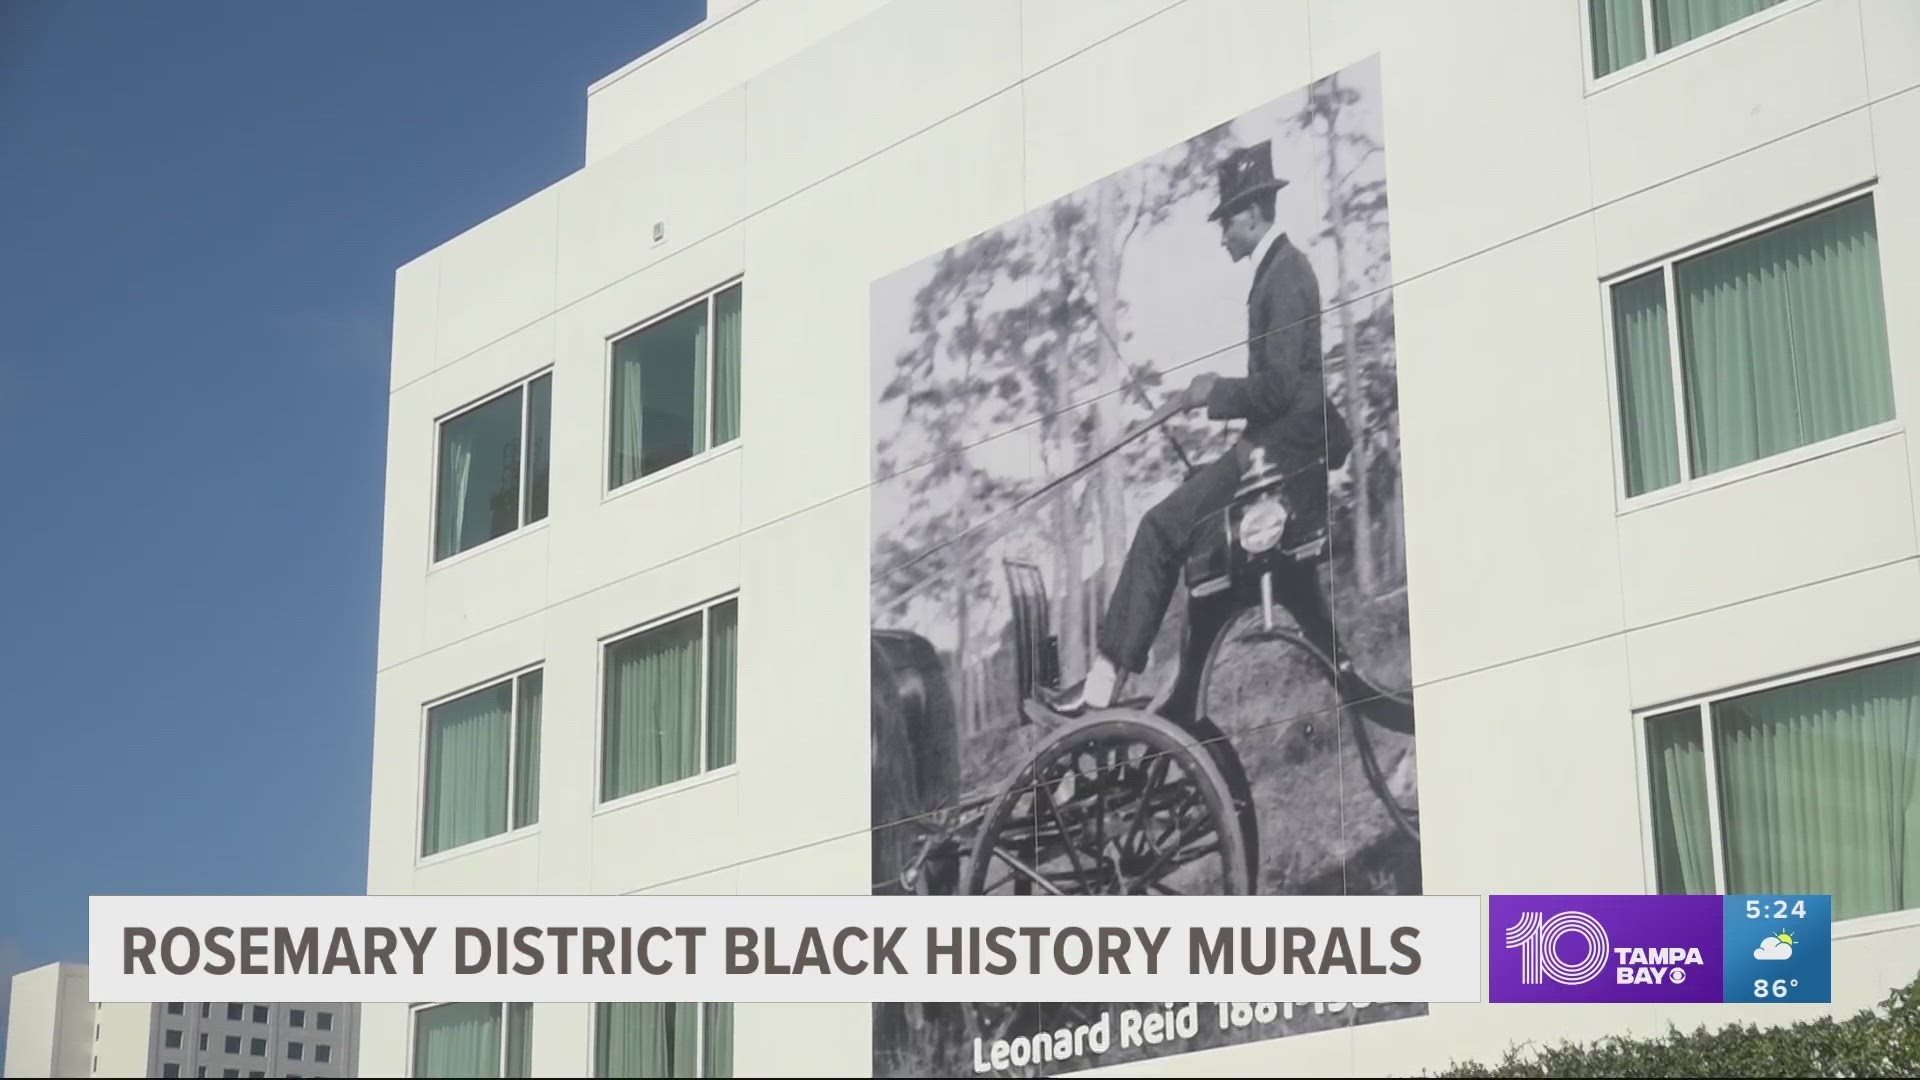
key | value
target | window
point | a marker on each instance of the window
(201, 1071)
(1780, 341)
(296, 1018)
(205, 1007)
(662, 1039)
(1811, 786)
(173, 1039)
(322, 1053)
(235, 1010)
(203, 1042)
(484, 453)
(326, 1018)
(482, 767)
(168, 1069)
(230, 1072)
(468, 1039)
(176, 1008)
(259, 1014)
(293, 1051)
(257, 1048)
(676, 388)
(232, 1044)
(1628, 31)
(256, 1072)
(670, 701)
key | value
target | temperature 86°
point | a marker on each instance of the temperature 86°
(1778, 988)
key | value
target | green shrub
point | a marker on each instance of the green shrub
(1874, 1043)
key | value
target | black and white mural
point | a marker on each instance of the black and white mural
(1139, 611)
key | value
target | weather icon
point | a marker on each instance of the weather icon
(1775, 947)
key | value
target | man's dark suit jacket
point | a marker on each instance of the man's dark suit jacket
(1283, 398)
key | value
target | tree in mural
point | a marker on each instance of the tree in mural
(1360, 368)
(954, 391)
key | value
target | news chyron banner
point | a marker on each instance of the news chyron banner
(1674, 949)
(791, 949)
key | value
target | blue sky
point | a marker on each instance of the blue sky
(201, 208)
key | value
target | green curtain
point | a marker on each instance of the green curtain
(659, 395)
(1648, 443)
(1783, 338)
(652, 722)
(716, 1042)
(450, 514)
(1820, 788)
(1679, 21)
(466, 797)
(539, 445)
(647, 1039)
(726, 366)
(457, 1040)
(1677, 779)
(519, 1040)
(526, 751)
(723, 680)
(1619, 32)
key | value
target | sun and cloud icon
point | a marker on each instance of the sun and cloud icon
(1774, 947)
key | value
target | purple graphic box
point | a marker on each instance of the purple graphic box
(1605, 948)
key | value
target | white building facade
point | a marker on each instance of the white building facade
(1657, 496)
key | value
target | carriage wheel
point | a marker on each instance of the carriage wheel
(1304, 678)
(1120, 802)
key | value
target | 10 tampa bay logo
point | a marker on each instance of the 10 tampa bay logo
(1539, 939)
(1605, 948)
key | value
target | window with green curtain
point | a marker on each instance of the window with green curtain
(1619, 29)
(1819, 788)
(716, 1040)
(466, 774)
(461, 1039)
(478, 493)
(519, 1061)
(1619, 32)
(539, 445)
(1783, 338)
(723, 679)
(1677, 784)
(659, 409)
(726, 366)
(1650, 449)
(526, 755)
(646, 1039)
(651, 730)
(1678, 21)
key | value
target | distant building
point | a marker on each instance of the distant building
(50, 1022)
(53, 1030)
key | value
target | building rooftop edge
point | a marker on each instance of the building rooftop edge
(665, 47)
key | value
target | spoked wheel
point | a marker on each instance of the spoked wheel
(1119, 802)
(1259, 682)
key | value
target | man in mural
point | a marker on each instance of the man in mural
(1289, 421)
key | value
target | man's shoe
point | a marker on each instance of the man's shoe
(1069, 702)
(1099, 690)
